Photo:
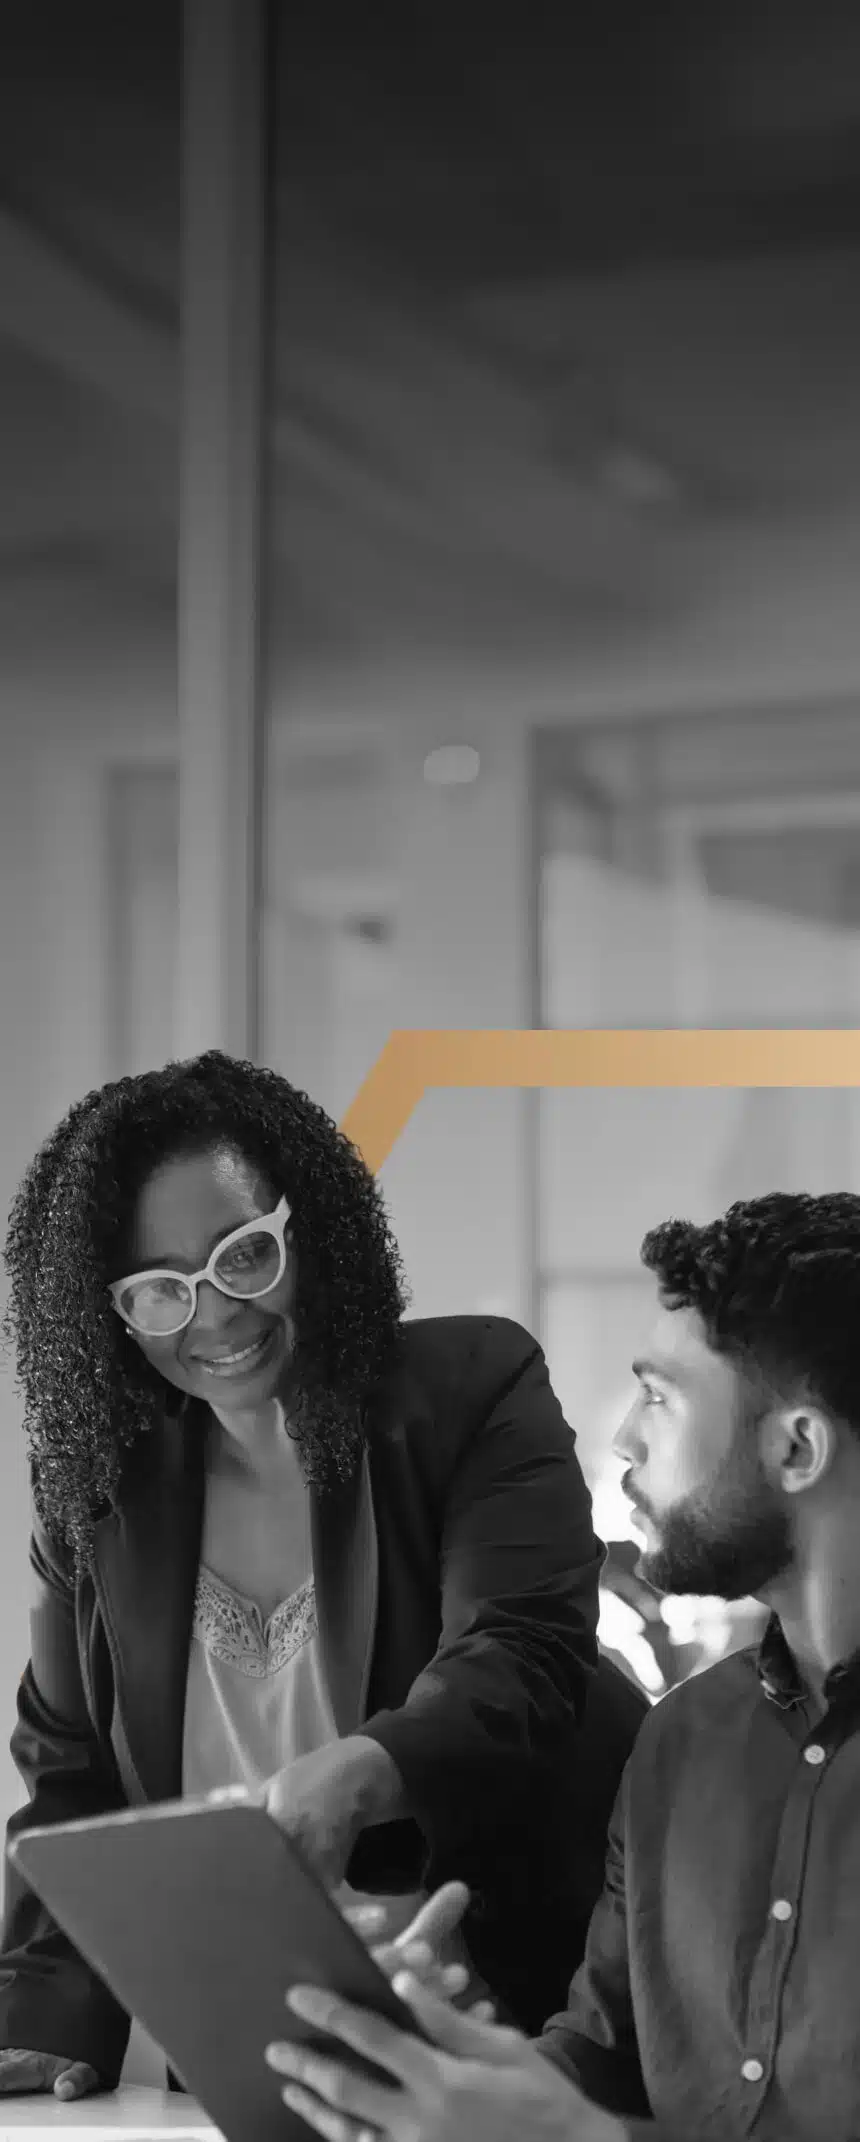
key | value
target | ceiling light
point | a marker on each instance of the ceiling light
(452, 766)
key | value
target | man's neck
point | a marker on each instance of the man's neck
(819, 1613)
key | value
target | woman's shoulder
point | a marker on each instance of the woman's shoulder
(471, 1347)
(455, 1370)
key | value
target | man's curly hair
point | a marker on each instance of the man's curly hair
(776, 1283)
(88, 1395)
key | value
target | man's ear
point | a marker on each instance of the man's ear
(798, 1447)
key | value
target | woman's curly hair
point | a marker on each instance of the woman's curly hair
(88, 1395)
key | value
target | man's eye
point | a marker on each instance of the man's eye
(652, 1398)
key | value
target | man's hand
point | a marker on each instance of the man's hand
(25, 2074)
(325, 1800)
(474, 2080)
(430, 1947)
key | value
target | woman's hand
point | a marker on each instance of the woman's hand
(25, 2074)
(324, 1801)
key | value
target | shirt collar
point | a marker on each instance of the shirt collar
(782, 1682)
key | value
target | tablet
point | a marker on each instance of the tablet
(199, 1916)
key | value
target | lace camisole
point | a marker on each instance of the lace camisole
(256, 1698)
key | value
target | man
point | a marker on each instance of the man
(718, 1997)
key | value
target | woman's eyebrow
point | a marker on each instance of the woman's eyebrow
(179, 1264)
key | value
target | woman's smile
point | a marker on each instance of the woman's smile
(236, 1360)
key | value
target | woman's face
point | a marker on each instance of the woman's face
(234, 1353)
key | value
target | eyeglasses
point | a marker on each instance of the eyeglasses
(246, 1265)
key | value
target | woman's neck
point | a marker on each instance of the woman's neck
(257, 1443)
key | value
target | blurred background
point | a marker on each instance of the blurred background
(429, 546)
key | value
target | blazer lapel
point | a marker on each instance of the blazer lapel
(346, 1575)
(145, 1572)
(146, 1559)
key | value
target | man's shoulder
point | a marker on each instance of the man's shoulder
(706, 1703)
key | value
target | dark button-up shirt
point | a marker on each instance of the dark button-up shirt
(720, 1992)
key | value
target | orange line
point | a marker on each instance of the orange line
(384, 1104)
(627, 1057)
(413, 1060)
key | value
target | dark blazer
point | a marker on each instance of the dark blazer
(457, 1601)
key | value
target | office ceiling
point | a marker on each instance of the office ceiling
(555, 307)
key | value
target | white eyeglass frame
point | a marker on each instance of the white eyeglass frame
(270, 1223)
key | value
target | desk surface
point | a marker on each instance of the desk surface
(130, 2114)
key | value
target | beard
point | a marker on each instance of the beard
(729, 1540)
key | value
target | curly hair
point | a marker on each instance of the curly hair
(88, 1397)
(776, 1282)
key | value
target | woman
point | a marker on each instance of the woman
(283, 1539)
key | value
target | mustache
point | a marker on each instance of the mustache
(637, 1502)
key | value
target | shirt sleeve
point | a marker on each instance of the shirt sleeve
(594, 2040)
(50, 2000)
(519, 1567)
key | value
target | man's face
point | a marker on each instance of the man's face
(712, 1522)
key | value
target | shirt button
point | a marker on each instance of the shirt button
(752, 2071)
(815, 1754)
(781, 1909)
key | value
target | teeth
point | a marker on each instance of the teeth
(229, 1360)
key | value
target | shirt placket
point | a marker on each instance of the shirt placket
(773, 1956)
